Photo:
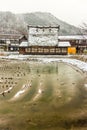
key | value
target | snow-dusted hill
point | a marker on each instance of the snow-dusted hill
(14, 23)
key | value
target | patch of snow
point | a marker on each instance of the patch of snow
(22, 91)
(43, 37)
(64, 44)
(85, 85)
(19, 93)
(15, 57)
(39, 91)
(80, 64)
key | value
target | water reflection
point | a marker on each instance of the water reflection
(54, 98)
(61, 83)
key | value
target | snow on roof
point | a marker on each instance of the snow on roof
(60, 44)
(24, 44)
(73, 37)
(64, 44)
(10, 36)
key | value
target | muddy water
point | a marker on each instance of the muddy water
(59, 96)
(55, 99)
(57, 82)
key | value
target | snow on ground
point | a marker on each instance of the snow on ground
(24, 88)
(37, 95)
(19, 93)
(80, 64)
(66, 59)
(85, 85)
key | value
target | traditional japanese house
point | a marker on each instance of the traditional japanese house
(62, 49)
(77, 41)
(43, 41)
(10, 42)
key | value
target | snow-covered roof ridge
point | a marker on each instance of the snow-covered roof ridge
(73, 37)
(64, 44)
(24, 44)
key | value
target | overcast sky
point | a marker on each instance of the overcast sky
(72, 11)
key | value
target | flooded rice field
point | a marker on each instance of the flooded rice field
(42, 96)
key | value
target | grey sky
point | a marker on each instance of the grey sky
(71, 11)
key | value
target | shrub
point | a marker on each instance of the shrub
(85, 51)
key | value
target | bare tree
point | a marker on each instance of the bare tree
(84, 28)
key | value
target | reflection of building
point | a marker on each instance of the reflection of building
(10, 42)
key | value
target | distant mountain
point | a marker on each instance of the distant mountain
(17, 23)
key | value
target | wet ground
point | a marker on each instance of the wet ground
(42, 96)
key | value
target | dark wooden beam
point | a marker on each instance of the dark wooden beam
(45, 27)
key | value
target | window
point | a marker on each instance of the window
(2, 42)
(58, 50)
(40, 49)
(80, 41)
(34, 49)
(52, 50)
(77, 41)
(64, 49)
(28, 49)
(46, 50)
